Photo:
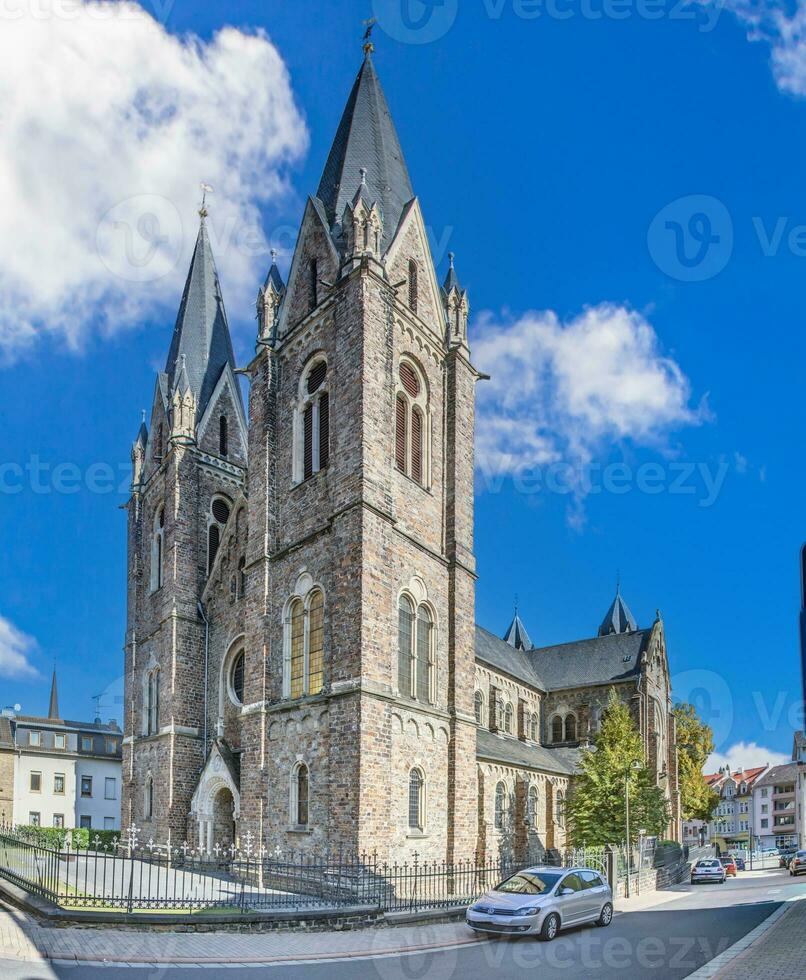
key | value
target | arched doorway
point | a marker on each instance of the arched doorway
(223, 820)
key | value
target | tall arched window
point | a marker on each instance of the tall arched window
(560, 808)
(237, 677)
(416, 800)
(478, 707)
(316, 642)
(532, 805)
(411, 424)
(570, 728)
(417, 669)
(500, 805)
(508, 716)
(556, 729)
(241, 577)
(153, 701)
(313, 414)
(313, 283)
(304, 666)
(533, 728)
(223, 446)
(405, 646)
(297, 623)
(157, 549)
(219, 515)
(412, 285)
(300, 792)
(425, 662)
(148, 801)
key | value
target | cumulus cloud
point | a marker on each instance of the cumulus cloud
(15, 650)
(569, 391)
(745, 755)
(783, 27)
(108, 124)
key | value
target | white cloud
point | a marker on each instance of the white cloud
(15, 649)
(108, 124)
(568, 391)
(745, 755)
(783, 27)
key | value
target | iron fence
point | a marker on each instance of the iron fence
(126, 875)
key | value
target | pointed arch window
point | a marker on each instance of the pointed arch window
(417, 673)
(405, 645)
(412, 285)
(508, 716)
(560, 808)
(148, 801)
(556, 729)
(216, 521)
(152, 705)
(313, 283)
(312, 444)
(223, 444)
(157, 550)
(300, 795)
(412, 427)
(478, 707)
(532, 805)
(533, 728)
(570, 728)
(416, 799)
(304, 667)
(500, 805)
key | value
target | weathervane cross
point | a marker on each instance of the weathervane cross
(369, 47)
(206, 189)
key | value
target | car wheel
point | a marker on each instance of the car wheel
(606, 916)
(551, 927)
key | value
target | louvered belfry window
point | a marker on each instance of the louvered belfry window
(314, 283)
(222, 435)
(411, 432)
(315, 441)
(413, 285)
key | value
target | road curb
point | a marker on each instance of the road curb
(712, 969)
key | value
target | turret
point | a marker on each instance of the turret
(269, 299)
(457, 307)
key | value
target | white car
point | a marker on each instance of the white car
(709, 869)
(543, 900)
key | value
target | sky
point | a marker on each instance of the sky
(622, 184)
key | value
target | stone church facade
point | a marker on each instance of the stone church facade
(301, 660)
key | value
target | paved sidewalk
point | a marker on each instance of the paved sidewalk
(778, 954)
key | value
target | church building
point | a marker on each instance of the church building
(302, 662)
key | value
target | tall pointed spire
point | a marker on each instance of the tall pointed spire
(201, 339)
(516, 636)
(619, 619)
(53, 710)
(366, 140)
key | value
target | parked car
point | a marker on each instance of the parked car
(786, 855)
(798, 863)
(728, 862)
(740, 865)
(708, 869)
(543, 900)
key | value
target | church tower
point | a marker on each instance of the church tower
(188, 467)
(360, 636)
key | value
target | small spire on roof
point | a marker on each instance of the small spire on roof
(53, 710)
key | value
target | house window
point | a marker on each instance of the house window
(570, 728)
(86, 785)
(111, 745)
(300, 789)
(304, 668)
(412, 453)
(412, 285)
(58, 820)
(86, 823)
(148, 807)
(86, 743)
(416, 653)
(500, 805)
(110, 789)
(478, 707)
(109, 823)
(416, 800)
(36, 782)
(58, 741)
(533, 728)
(508, 716)
(765, 822)
(157, 549)
(313, 422)
(58, 784)
(34, 818)
(222, 436)
(35, 739)
(556, 729)
(237, 677)
(532, 806)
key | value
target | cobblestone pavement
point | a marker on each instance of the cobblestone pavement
(778, 954)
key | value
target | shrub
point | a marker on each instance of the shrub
(55, 837)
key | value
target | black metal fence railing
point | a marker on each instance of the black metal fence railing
(127, 876)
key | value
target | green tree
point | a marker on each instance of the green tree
(596, 811)
(695, 742)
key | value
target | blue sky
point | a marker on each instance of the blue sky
(542, 151)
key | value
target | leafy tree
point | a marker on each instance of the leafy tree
(596, 811)
(695, 742)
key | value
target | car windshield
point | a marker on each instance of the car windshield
(801, 854)
(726, 860)
(529, 883)
(708, 864)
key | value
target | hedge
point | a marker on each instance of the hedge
(80, 837)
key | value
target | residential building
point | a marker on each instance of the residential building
(64, 773)
(780, 801)
(731, 825)
(302, 661)
(694, 832)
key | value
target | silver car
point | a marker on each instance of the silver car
(708, 869)
(542, 901)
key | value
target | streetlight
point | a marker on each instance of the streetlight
(634, 766)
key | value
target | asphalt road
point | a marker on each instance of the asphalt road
(668, 941)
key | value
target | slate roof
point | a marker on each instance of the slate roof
(516, 636)
(619, 619)
(366, 138)
(498, 654)
(451, 279)
(83, 726)
(778, 774)
(6, 737)
(273, 278)
(510, 751)
(231, 761)
(201, 339)
(600, 660)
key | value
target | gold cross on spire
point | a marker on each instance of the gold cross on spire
(206, 189)
(369, 47)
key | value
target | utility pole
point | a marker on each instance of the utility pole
(634, 766)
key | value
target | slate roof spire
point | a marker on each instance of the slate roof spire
(451, 279)
(619, 619)
(53, 709)
(366, 140)
(516, 636)
(201, 343)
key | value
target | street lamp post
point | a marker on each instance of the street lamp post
(634, 766)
